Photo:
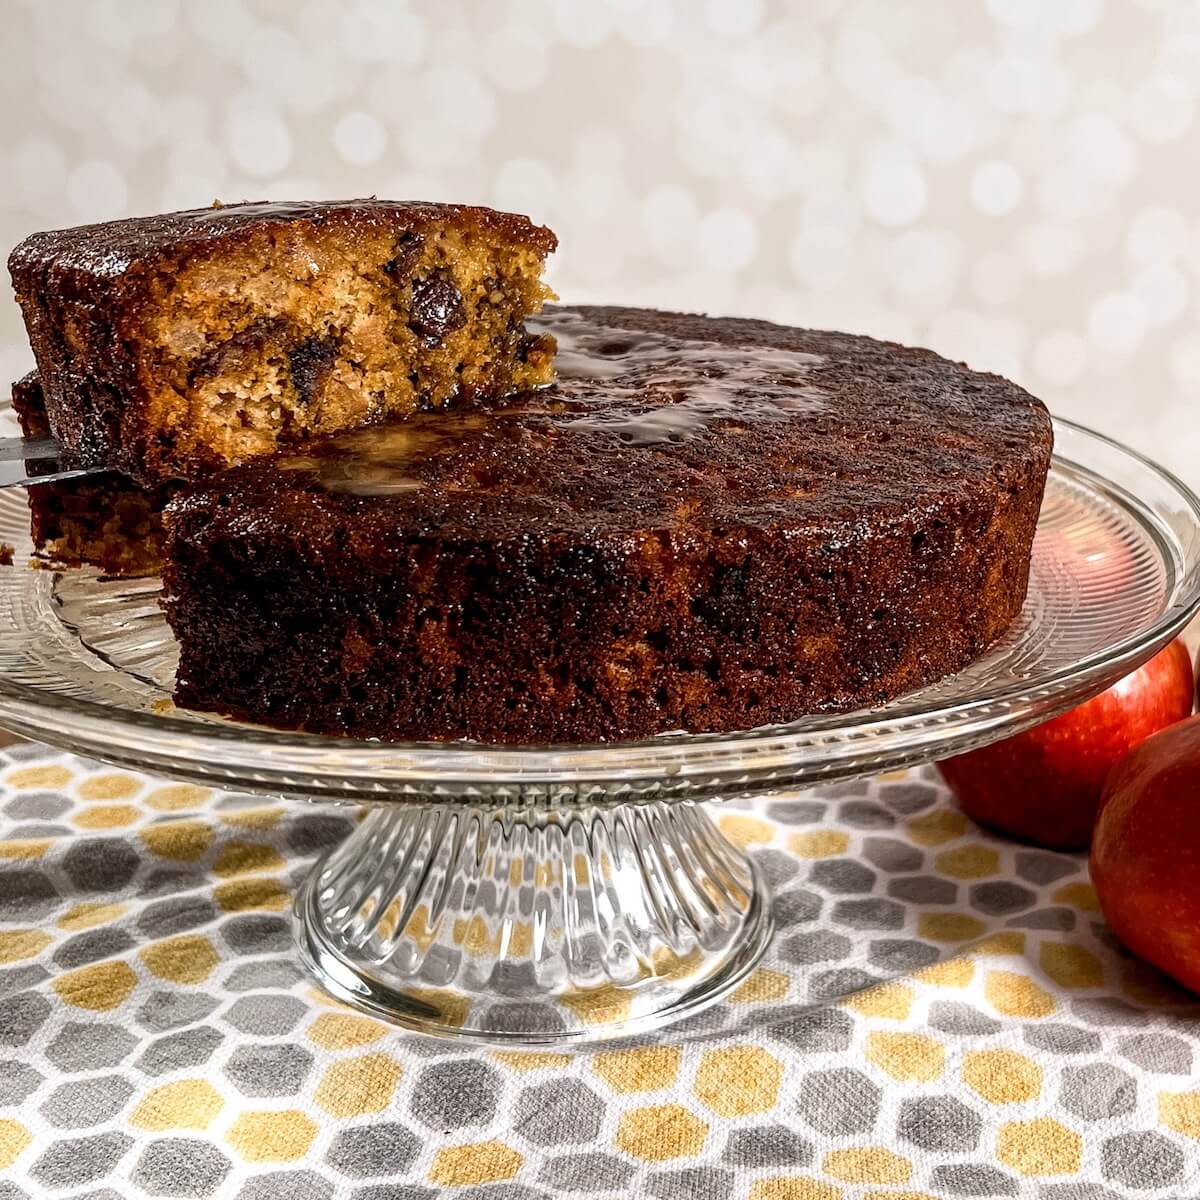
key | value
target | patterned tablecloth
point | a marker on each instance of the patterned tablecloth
(941, 1013)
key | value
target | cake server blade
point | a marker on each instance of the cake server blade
(25, 461)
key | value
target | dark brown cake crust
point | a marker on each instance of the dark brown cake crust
(701, 527)
(173, 345)
(106, 521)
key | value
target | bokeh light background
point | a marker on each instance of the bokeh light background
(1013, 182)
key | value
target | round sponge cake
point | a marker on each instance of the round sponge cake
(705, 525)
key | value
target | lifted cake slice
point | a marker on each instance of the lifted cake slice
(104, 520)
(173, 345)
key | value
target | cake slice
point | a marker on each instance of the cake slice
(173, 345)
(106, 521)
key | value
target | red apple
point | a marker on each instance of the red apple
(1043, 785)
(1146, 852)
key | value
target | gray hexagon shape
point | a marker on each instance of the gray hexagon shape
(1063, 1039)
(80, 1047)
(1000, 897)
(1158, 1052)
(891, 855)
(269, 1068)
(691, 1183)
(270, 973)
(380, 1149)
(37, 806)
(767, 1146)
(162, 1011)
(797, 812)
(941, 1123)
(586, 1173)
(1141, 1160)
(456, 1093)
(973, 1179)
(178, 1051)
(865, 814)
(26, 894)
(256, 933)
(842, 981)
(559, 1112)
(875, 913)
(82, 1103)
(21, 1016)
(819, 945)
(177, 914)
(843, 876)
(18, 1081)
(923, 889)
(75, 1161)
(795, 907)
(294, 1185)
(100, 864)
(806, 1029)
(1098, 1091)
(265, 1014)
(952, 1016)
(898, 956)
(91, 946)
(178, 1166)
(839, 1101)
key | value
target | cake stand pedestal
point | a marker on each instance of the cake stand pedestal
(533, 924)
(566, 893)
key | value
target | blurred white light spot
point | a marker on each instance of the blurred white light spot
(1015, 13)
(379, 31)
(515, 59)
(40, 167)
(996, 188)
(1051, 248)
(525, 185)
(1156, 233)
(1117, 322)
(924, 265)
(1163, 290)
(1185, 359)
(894, 189)
(1060, 358)
(360, 138)
(582, 22)
(97, 191)
(1073, 17)
(1102, 146)
(726, 239)
(259, 142)
(734, 18)
(1161, 108)
(996, 278)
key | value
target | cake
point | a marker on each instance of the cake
(174, 345)
(705, 525)
(106, 520)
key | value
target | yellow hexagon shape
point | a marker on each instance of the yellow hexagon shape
(98, 987)
(185, 1104)
(660, 1132)
(1039, 1147)
(189, 958)
(469, 1166)
(738, 1080)
(907, 1056)
(358, 1085)
(643, 1069)
(1002, 1076)
(272, 1136)
(872, 1164)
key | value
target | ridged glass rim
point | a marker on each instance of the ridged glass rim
(690, 765)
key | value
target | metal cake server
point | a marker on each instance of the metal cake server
(26, 461)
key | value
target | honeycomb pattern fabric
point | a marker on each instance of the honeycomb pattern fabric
(941, 1014)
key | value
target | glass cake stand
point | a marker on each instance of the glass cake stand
(568, 893)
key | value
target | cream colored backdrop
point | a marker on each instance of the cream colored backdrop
(1012, 182)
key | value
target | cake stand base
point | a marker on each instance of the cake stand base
(523, 925)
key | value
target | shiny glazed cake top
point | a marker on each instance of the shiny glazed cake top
(666, 421)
